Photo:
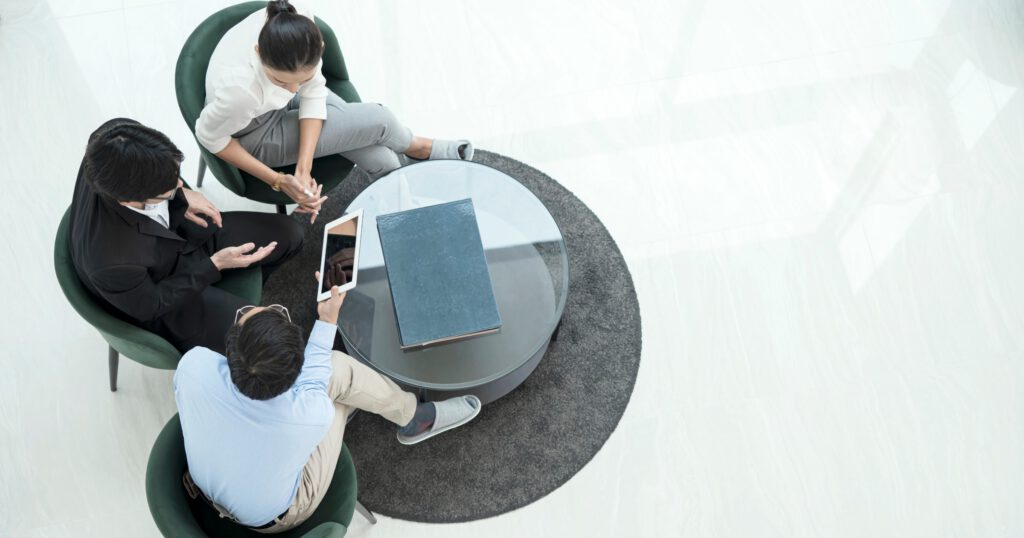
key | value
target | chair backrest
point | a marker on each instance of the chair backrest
(176, 514)
(194, 59)
(134, 342)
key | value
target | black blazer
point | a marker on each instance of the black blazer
(150, 274)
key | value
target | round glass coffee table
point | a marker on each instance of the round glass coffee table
(529, 272)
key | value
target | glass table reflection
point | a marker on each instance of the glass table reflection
(529, 271)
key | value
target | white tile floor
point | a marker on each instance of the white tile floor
(821, 203)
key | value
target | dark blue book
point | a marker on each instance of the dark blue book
(440, 284)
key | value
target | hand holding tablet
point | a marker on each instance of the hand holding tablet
(339, 255)
(328, 310)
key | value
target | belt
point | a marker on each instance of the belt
(270, 523)
(193, 492)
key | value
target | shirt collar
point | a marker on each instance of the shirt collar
(158, 212)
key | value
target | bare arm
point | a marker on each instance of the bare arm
(239, 157)
(309, 199)
(309, 135)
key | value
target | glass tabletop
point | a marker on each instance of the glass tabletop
(525, 256)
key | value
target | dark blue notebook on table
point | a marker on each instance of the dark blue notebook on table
(440, 284)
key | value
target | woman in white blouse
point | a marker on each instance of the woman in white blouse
(267, 104)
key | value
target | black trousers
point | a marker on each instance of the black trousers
(219, 306)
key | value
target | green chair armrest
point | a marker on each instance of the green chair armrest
(164, 490)
(131, 341)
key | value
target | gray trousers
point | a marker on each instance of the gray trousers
(367, 134)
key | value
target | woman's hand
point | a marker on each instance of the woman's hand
(199, 205)
(299, 192)
(307, 196)
(305, 178)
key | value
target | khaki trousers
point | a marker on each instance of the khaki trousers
(353, 385)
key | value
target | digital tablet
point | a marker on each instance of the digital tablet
(339, 254)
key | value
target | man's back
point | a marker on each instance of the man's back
(248, 455)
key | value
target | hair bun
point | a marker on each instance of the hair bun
(276, 7)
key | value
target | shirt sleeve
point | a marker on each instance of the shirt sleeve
(134, 292)
(316, 368)
(186, 365)
(313, 96)
(228, 112)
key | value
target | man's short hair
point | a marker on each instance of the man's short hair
(130, 162)
(265, 354)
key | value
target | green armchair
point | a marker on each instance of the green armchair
(178, 515)
(190, 86)
(123, 337)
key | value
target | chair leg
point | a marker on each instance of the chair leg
(281, 209)
(112, 359)
(365, 513)
(201, 173)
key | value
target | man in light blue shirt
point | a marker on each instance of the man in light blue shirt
(263, 426)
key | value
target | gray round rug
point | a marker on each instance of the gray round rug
(527, 444)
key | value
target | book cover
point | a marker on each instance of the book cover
(437, 271)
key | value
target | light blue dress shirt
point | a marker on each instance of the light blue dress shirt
(247, 455)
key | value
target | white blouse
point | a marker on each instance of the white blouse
(238, 90)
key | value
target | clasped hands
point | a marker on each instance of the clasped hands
(305, 191)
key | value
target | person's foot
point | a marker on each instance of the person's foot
(421, 421)
(433, 418)
(426, 148)
(420, 148)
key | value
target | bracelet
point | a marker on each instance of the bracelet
(277, 182)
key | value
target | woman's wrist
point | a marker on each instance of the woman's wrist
(276, 184)
(269, 176)
(303, 166)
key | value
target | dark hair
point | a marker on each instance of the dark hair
(265, 354)
(289, 41)
(128, 161)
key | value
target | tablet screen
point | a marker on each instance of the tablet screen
(339, 255)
